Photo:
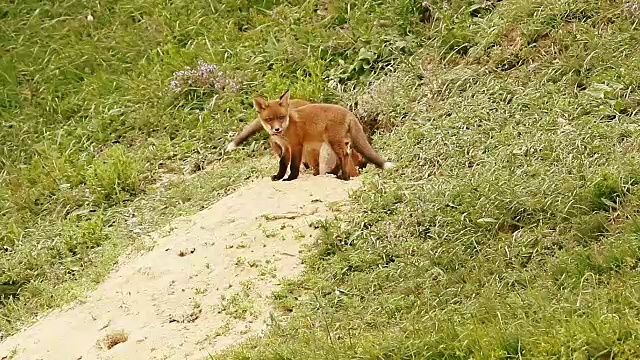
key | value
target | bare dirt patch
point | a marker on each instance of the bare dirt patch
(203, 287)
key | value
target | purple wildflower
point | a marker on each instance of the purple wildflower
(632, 8)
(205, 76)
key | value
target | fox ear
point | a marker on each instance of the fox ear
(259, 103)
(284, 99)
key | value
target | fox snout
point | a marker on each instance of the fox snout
(273, 128)
(276, 128)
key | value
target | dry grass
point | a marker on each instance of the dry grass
(112, 339)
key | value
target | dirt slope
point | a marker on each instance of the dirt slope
(203, 287)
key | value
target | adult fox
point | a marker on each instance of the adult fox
(313, 156)
(312, 125)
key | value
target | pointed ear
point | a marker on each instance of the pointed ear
(284, 99)
(259, 103)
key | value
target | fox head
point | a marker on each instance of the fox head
(274, 114)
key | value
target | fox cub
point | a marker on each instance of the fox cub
(309, 126)
(320, 159)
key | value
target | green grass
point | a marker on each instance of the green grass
(89, 123)
(508, 230)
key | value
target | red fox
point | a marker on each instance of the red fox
(256, 126)
(310, 126)
(310, 155)
(327, 160)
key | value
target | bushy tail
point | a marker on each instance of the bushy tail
(360, 143)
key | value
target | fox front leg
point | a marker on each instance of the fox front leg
(296, 159)
(285, 158)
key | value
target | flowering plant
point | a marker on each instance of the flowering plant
(632, 8)
(204, 76)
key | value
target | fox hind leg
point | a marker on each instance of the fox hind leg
(340, 150)
(312, 156)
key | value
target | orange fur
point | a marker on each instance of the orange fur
(310, 126)
(311, 153)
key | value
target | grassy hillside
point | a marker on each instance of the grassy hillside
(97, 138)
(95, 115)
(508, 230)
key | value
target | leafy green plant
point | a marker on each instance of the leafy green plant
(115, 176)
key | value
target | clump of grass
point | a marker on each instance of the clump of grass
(115, 176)
(239, 305)
(114, 338)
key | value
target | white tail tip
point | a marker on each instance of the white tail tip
(231, 146)
(388, 165)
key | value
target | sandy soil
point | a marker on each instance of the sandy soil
(202, 288)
